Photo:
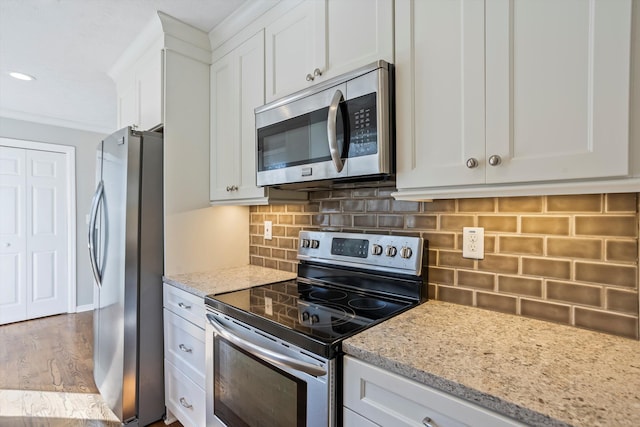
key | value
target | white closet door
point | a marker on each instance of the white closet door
(33, 234)
(46, 233)
(13, 242)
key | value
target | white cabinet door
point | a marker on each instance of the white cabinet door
(149, 85)
(511, 92)
(557, 89)
(140, 102)
(237, 88)
(295, 47)
(128, 104)
(440, 92)
(33, 234)
(358, 32)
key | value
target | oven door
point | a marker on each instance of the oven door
(256, 379)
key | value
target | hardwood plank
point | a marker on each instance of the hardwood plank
(46, 374)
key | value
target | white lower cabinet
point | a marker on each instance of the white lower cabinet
(373, 396)
(184, 357)
(183, 397)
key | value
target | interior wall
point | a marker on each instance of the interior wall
(85, 144)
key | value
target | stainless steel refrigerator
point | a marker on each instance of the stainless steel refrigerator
(126, 253)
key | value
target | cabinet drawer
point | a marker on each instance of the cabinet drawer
(183, 397)
(184, 346)
(184, 304)
(389, 399)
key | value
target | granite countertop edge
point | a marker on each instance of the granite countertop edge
(217, 281)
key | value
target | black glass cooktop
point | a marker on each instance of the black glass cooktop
(312, 316)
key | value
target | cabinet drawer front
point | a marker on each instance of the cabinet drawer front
(184, 304)
(390, 399)
(184, 346)
(183, 397)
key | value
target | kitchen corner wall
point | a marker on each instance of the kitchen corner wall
(566, 259)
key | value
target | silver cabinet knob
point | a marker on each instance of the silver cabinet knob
(472, 163)
(316, 73)
(428, 422)
(495, 160)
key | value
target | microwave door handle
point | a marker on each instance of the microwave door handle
(265, 354)
(332, 131)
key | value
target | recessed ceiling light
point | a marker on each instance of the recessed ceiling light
(21, 76)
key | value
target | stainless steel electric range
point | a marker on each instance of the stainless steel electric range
(274, 354)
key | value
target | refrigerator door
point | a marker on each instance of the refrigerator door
(115, 312)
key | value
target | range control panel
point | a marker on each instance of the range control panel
(399, 254)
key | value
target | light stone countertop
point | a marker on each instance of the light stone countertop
(536, 372)
(227, 279)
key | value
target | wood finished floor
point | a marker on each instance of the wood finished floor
(46, 374)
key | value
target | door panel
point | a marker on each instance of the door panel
(12, 235)
(47, 232)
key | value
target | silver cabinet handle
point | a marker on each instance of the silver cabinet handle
(428, 422)
(472, 163)
(7, 245)
(185, 348)
(331, 130)
(184, 403)
(309, 78)
(183, 305)
(232, 187)
(97, 196)
(265, 354)
(495, 160)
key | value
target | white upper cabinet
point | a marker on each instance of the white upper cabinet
(237, 88)
(510, 92)
(140, 93)
(317, 40)
(295, 47)
(358, 32)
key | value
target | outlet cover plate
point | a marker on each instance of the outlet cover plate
(473, 242)
(268, 230)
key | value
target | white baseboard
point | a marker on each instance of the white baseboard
(86, 307)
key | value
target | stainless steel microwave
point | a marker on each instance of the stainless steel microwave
(338, 130)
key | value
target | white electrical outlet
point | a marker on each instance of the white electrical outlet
(268, 230)
(473, 242)
(268, 306)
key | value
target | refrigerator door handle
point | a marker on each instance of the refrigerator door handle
(97, 196)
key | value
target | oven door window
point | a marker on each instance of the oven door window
(251, 392)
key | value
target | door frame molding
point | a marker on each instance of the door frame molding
(70, 157)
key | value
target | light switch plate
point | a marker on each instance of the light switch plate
(473, 242)
(268, 230)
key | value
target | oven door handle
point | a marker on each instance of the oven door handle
(263, 353)
(332, 132)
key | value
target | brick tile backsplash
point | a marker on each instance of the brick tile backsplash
(567, 259)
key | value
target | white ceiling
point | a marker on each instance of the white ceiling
(69, 45)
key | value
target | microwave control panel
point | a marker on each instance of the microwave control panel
(362, 125)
